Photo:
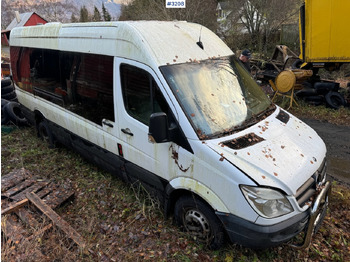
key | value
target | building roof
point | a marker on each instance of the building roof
(24, 19)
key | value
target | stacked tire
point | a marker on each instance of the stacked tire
(322, 93)
(8, 90)
(11, 112)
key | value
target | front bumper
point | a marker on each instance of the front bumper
(260, 236)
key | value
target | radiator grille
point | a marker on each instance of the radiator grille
(307, 190)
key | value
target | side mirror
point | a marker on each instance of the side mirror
(158, 131)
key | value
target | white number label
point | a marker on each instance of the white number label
(175, 4)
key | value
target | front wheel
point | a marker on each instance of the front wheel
(197, 218)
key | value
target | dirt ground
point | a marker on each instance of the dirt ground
(337, 139)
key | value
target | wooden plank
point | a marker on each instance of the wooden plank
(27, 217)
(33, 188)
(14, 207)
(19, 187)
(57, 197)
(39, 232)
(11, 179)
(56, 219)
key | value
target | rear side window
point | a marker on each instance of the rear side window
(141, 94)
(81, 83)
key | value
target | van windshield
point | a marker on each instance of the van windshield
(218, 96)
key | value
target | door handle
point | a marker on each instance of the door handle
(107, 123)
(127, 131)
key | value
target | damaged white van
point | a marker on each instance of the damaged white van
(169, 105)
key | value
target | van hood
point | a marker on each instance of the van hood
(281, 152)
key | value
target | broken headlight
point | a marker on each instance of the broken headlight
(267, 202)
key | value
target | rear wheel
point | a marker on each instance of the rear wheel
(197, 218)
(45, 133)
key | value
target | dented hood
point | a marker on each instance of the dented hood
(281, 152)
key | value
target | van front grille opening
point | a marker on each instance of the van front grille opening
(306, 192)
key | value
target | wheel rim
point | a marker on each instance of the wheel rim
(197, 224)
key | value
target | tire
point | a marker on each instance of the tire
(195, 217)
(314, 100)
(4, 117)
(5, 82)
(14, 112)
(297, 64)
(9, 96)
(45, 133)
(4, 102)
(305, 92)
(334, 100)
(323, 88)
(7, 89)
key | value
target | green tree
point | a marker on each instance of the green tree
(73, 19)
(106, 14)
(97, 15)
(84, 14)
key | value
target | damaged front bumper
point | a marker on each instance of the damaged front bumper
(317, 214)
(261, 236)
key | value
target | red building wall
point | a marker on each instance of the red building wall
(34, 20)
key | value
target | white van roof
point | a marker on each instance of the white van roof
(150, 42)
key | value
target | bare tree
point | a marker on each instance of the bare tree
(260, 19)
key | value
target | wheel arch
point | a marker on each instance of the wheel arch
(181, 186)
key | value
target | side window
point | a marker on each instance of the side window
(141, 94)
(81, 83)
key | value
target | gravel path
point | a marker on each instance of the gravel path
(337, 139)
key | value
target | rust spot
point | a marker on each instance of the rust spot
(174, 60)
(203, 142)
(263, 177)
(282, 147)
(302, 155)
(222, 145)
(235, 153)
(273, 159)
(176, 57)
(193, 115)
(221, 154)
(311, 162)
(221, 158)
(175, 156)
(248, 153)
(275, 173)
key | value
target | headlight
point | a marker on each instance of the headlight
(267, 202)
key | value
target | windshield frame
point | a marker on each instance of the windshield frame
(216, 92)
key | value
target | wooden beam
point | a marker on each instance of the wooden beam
(14, 207)
(56, 219)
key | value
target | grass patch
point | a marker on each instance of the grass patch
(124, 223)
